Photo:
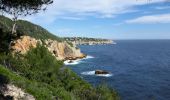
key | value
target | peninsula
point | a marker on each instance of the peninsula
(88, 41)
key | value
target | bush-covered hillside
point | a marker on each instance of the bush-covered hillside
(27, 28)
(41, 75)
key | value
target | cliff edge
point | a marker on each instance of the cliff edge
(61, 50)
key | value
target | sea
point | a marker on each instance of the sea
(139, 69)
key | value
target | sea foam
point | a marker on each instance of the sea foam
(88, 73)
(78, 61)
(88, 57)
(74, 62)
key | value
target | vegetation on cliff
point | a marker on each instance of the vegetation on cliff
(27, 28)
(41, 75)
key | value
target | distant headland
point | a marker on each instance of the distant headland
(88, 41)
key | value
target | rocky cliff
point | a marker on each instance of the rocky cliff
(61, 50)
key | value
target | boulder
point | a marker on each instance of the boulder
(11, 92)
(101, 72)
(70, 61)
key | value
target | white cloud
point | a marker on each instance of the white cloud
(78, 8)
(151, 19)
(72, 18)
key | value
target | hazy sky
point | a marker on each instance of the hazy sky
(115, 19)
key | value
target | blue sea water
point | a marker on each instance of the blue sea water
(140, 68)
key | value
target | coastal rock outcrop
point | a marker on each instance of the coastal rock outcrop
(101, 72)
(61, 50)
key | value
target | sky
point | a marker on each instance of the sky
(111, 19)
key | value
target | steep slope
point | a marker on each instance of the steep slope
(27, 28)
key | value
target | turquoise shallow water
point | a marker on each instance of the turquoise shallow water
(140, 68)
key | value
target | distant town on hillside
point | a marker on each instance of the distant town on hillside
(88, 41)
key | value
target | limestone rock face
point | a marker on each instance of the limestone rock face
(15, 93)
(61, 50)
(23, 44)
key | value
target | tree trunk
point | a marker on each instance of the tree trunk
(15, 22)
(14, 28)
(13, 33)
(5, 64)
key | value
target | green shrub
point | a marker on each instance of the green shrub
(4, 41)
(105, 93)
